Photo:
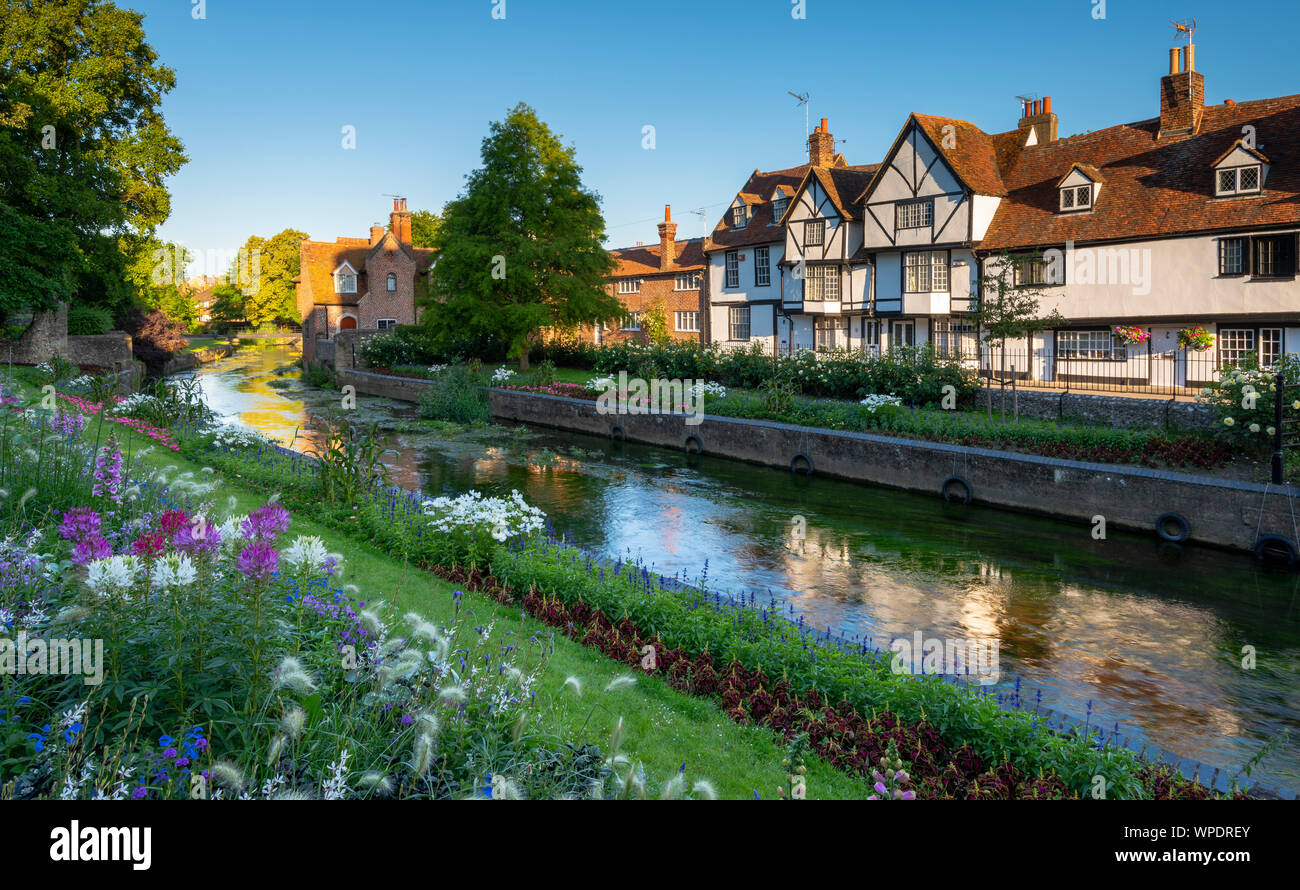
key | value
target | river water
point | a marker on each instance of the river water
(1121, 631)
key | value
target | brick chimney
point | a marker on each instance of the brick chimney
(1182, 94)
(1039, 117)
(821, 146)
(376, 234)
(399, 221)
(667, 240)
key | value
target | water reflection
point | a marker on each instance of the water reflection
(1150, 637)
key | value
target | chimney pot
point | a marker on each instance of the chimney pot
(1173, 59)
(824, 130)
(1047, 105)
(668, 213)
(395, 207)
(1191, 56)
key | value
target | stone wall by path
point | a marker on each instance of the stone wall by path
(1219, 512)
(1110, 410)
(45, 337)
(111, 350)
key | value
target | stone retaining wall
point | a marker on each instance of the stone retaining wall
(1116, 411)
(1220, 512)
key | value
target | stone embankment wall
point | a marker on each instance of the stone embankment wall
(1111, 410)
(1219, 512)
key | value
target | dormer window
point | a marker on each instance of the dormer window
(1076, 197)
(1079, 188)
(1238, 180)
(778, 208)
(345, 280)
(392, 282)
(738, 216)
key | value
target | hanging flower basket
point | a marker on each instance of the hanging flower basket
(1197, 339)
(1131, 335)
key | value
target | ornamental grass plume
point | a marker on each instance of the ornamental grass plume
(292, 723)
(575, 683)
(227, 775)
(422, 754)
(620, 683)
(704, 789)
(291, 675)
(376, 783)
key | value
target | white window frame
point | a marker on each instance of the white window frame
(814, 233)
(823, 283)
(386, 324)
(914, 214)
(1075, 198)
(779, 206)
(632, 321)
(871, 334)
(925, 272)
(739, 216)
(687, 281)
(345, 282)
(1230, 250)
(686, 321)
(629, 285)
(1091, 345)
(738, 323)
(392, 282)
(1236, 174)
(732, 260)
(762, 267)
(830, 332)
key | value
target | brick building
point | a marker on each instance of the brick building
(671, 272)
(360, 283)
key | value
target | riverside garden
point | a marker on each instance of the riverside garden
(274, 623)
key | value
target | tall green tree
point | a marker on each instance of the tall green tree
(276, 262)
(227, 304)
(520, 249)
(424, 228)
(84, 149)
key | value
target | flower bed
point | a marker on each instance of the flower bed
(91, 409)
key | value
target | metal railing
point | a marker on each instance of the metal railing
(1175, 373)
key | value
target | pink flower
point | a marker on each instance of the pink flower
(258, 561)
(79, 523)
(91, 549)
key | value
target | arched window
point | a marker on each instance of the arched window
(392, 281)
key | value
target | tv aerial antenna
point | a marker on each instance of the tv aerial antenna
(803, 100)
(1184, 27)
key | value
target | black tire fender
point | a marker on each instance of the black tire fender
(956, 480)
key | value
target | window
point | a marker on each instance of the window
(687, 281)
(1077, 197)
(738, 328)
(1232, 259)
(823, 283)
(392, 282)
(762, 271)
(688, 321)
(386, 324)
(738, 218)
(1030, 271)
(1270, 346)
(831, 333)
(629, 285)
(914, 215)
(345, 281)
(1238, 181)
(778, 209)
(733, 269)
(1273, 257)
(814, 233)
(1235, 344)
(955, 337)
(925, 272)
(1090, 344)
(632, 321)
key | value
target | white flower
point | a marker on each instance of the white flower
(708, 389)
(174, 570)
(1228, 421)
(875, 402)
(1254, 427)
(115, 573)
(502, 518)
(306, 554)
(501, 375)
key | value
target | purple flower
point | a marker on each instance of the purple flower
(80, 523)
(265, 522)
(140, 793)
(880, 786)
(108, 474)
(90, 549)
(258, 560)
(197, 536)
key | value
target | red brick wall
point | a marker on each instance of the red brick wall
(380, 302)
(660, 287)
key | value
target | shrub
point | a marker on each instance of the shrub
(405, 346)
(83, 319)
(1243, 400)
(457, 397)
(155, 339)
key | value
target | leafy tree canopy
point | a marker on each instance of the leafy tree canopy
(84, 150)
(273, 264)
(424, 227)
(520, 249)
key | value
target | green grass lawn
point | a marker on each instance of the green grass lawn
(663, 728)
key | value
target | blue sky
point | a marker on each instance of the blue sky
(265, 88)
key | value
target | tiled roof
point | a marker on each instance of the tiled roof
(844, 184)
(1153, 187)
(644, 260)
(321, 258)
(759, 228)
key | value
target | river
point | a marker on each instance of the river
(1118, 631)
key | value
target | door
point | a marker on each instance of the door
(347, 323)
